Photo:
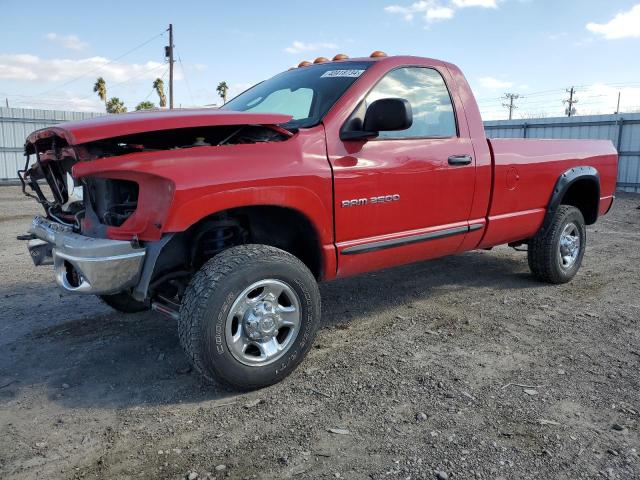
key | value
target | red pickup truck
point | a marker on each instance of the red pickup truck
(226, 219)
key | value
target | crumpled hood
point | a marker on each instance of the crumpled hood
(110, 126)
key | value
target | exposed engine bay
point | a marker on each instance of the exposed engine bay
(110, 202)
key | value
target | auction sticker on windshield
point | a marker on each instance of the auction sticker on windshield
(342, 73)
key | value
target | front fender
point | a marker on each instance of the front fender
(190, 209)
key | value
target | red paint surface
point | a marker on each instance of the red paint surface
(505, 189)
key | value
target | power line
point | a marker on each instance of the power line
(122, 82)
(102, 66)
(144, 72)
(561, 90)
(184, 74)
(532, 94)
(153, 88)
(62, 101)
(524, 102)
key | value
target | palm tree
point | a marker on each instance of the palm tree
(100, 87)
(222, 90)
(115, 105)
(145, 105)
(158, 84)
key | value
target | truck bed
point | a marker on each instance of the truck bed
(524, 174)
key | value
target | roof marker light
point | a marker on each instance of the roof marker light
(378, 54)
(321, 60)
(304, 63)
(340, 56)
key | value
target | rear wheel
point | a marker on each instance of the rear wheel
(125, 303)
(249, 316)
(555, 253)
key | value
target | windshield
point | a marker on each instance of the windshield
(305, 93)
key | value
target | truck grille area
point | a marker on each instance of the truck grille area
(112, 200)
(56, 174)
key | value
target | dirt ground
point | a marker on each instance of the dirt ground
(463, 367)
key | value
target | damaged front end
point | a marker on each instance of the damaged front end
(104, 212)
(84, 261)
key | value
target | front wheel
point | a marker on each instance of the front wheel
(249, 316)
(555, 253)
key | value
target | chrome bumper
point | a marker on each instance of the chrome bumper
(85, 264)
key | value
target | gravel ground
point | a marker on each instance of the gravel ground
(463, 367)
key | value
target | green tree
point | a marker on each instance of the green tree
(158, 84)
(100, 87)
(115, 105)
(146, 105)
(222, 90)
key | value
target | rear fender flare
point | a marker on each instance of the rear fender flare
(568, 178)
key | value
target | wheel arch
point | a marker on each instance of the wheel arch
(282, 227)
(313, 209)
(194, 207)
(580, 188)
(302, 207)
(279, 226)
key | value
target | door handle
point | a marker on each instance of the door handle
(460, 160)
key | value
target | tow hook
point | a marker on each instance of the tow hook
(41, 252)
(26, 236)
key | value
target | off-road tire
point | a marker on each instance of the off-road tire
(125, 303)
(209, 298)
(543, 251)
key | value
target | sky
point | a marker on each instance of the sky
(51, 54)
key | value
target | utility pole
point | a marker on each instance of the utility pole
(570, 110)
(510, 97)
(618, 107)
(6, 100)
(169, 54)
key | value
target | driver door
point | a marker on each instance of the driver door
(405, 195)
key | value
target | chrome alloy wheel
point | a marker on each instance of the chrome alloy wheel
(569, 246)
(263, 322)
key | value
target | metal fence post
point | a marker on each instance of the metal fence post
(620, 128)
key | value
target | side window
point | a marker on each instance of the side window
(296, 103)
(430, 102)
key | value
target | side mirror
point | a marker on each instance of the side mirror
(388, 114)
(384, 115)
